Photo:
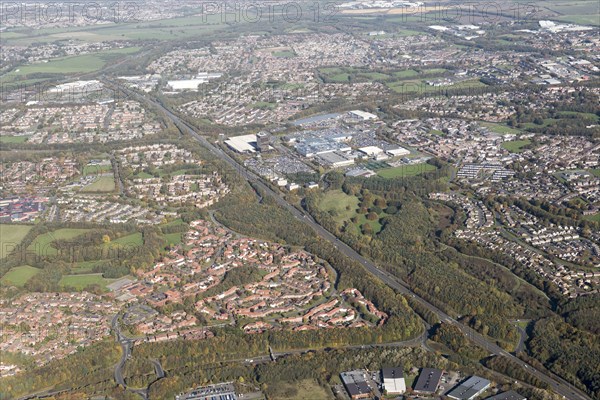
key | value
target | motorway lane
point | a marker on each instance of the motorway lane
(558, 384)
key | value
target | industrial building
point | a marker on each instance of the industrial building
(242, 144)
(335, 159)
(469, 389)
(362, 115)
(192, 84)
(360, 172)
(371, 151)
(429, 381)
(510, 395)
(314, 146)
(356, 385)
(396, 151)
(393, 380)
(221, 391)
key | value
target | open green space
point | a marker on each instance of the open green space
(590, 19)
(595, 172)
(173, 238)
(500, 128)
(284, 54)
(79, 282)
(41, 245)
(264, 105)
(407, 32)
(336, 202)
(70, 65)
(516, 146)
(135, 239)
(164, 29)
(343, 209)
(102, 184)
(405, 170)
(11, 236)
(300, 390)
(374, 75)
(96, 169)
(85, 267)
(175, 222)
(421, 86)
(13, 139)
(593, 217)
(18, 276)
(590, 116)
(142, 175)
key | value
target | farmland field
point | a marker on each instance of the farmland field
(18, 276)
(11, 236)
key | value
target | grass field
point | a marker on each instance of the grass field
(593, 217)
(96, 169)
(500, 128)
(71, 65)
(421, 86)
(135, 239)
(85, 267)
(42, 244)
(592, 20)
(516, 146)
(374, 75)
(595, 172)
(405, 171)
(13, 139)
(263, 105)
(165, 29)
(11, 236)
(102, 184)
(142, 175)
(79, 282)
(284, 54)
(18, 276)
(300, 390)
(335, 202)
(173, 238)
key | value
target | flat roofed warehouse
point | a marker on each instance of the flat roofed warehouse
(428, 381)
(393, 380)
(335, 159)
(510, 395)
(356, 385)
(242, 144)
(469, 389)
